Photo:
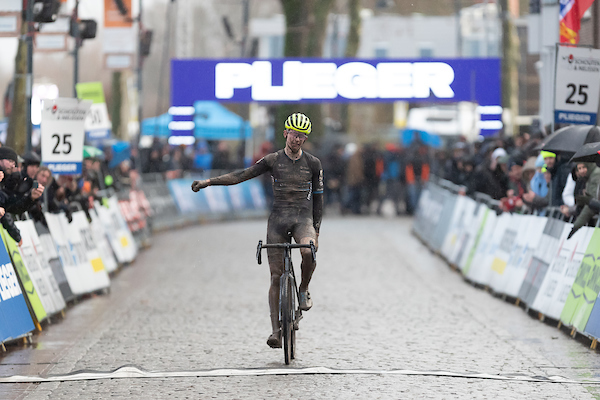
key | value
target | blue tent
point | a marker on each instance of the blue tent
(408, 136)
(212, 122)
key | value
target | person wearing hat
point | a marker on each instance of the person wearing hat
(19, 191)
(590, 200)
(30, 164)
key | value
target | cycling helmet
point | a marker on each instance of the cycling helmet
(298, 122)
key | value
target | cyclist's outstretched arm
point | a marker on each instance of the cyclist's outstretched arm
(232, 178)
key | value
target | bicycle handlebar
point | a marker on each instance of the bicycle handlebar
(261, 246)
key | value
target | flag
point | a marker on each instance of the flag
(571, 12)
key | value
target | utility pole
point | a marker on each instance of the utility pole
(457, 7)
(140, 65)
(75, 25)
(245, 150)
(29, 79)
(595, 23)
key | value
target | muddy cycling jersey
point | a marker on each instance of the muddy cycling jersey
(295, 183)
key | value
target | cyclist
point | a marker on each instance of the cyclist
(297, 179)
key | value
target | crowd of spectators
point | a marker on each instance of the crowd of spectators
(361, 178)
(524, 179)
(29, 189)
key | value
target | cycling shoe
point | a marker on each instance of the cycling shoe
(274, 341)
(305, 301)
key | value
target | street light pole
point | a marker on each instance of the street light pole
(75, 25)
(29, 78)
(140, 64)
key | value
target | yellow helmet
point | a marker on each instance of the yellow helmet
(298, 122)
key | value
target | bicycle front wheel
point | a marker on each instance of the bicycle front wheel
(287, 317)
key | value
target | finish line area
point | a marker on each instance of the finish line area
(132, 372)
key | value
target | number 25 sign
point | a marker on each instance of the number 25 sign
(62, 134)
(577, 85)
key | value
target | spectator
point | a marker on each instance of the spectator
(335, 169)
(373, 166)
(416, 174)
(391, 177)
(575, 188)
(355, 177)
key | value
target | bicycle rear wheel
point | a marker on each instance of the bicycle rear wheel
(287, 317)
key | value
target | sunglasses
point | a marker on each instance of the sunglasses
(298, 135)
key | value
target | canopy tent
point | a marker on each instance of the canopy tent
(409, 136)
(212, 122)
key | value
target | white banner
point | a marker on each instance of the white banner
(101, 240)
(62, 134)
(33, 257)
(577, 85)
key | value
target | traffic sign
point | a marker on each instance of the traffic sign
(577, 85)
(62, 134)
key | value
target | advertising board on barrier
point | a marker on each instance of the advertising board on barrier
(33, 297)
(584, 292)
(547, 249)
(101, 240)
(78, 281)
(527, 243)
(13, 308)
(247, 197)
(476, 270)
(87, 257)
(117, 232)
(504, 246)
(528, 256)
(39, 270)
(49, 252)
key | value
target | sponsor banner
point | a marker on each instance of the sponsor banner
(548, 248)
(39, 270)
(62, 134)
(15, 319)
(465, 221)
(83, 245)
(245, 197)
(120, 238)
(101, 240)
(454, 227)
(33, 296)
(584, 291)
(48, 249)
(577, 85)
(521, 258)
(441, 229)
(491, 263)
(97, 121)
(563, 270)
(76, 276)
(477, 270)
(475, 233)
(505, 245)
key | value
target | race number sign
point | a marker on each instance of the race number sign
(62, 134)
(97, 123)
(577, 85)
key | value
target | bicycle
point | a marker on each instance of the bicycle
(289, 316)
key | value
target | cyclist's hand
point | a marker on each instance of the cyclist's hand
(197, 185)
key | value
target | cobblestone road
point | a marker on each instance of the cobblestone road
(197, 300)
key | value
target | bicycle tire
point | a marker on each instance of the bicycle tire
(287, 323)
(292, 292)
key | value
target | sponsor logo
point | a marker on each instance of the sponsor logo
(9, 286)
(351, 80)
